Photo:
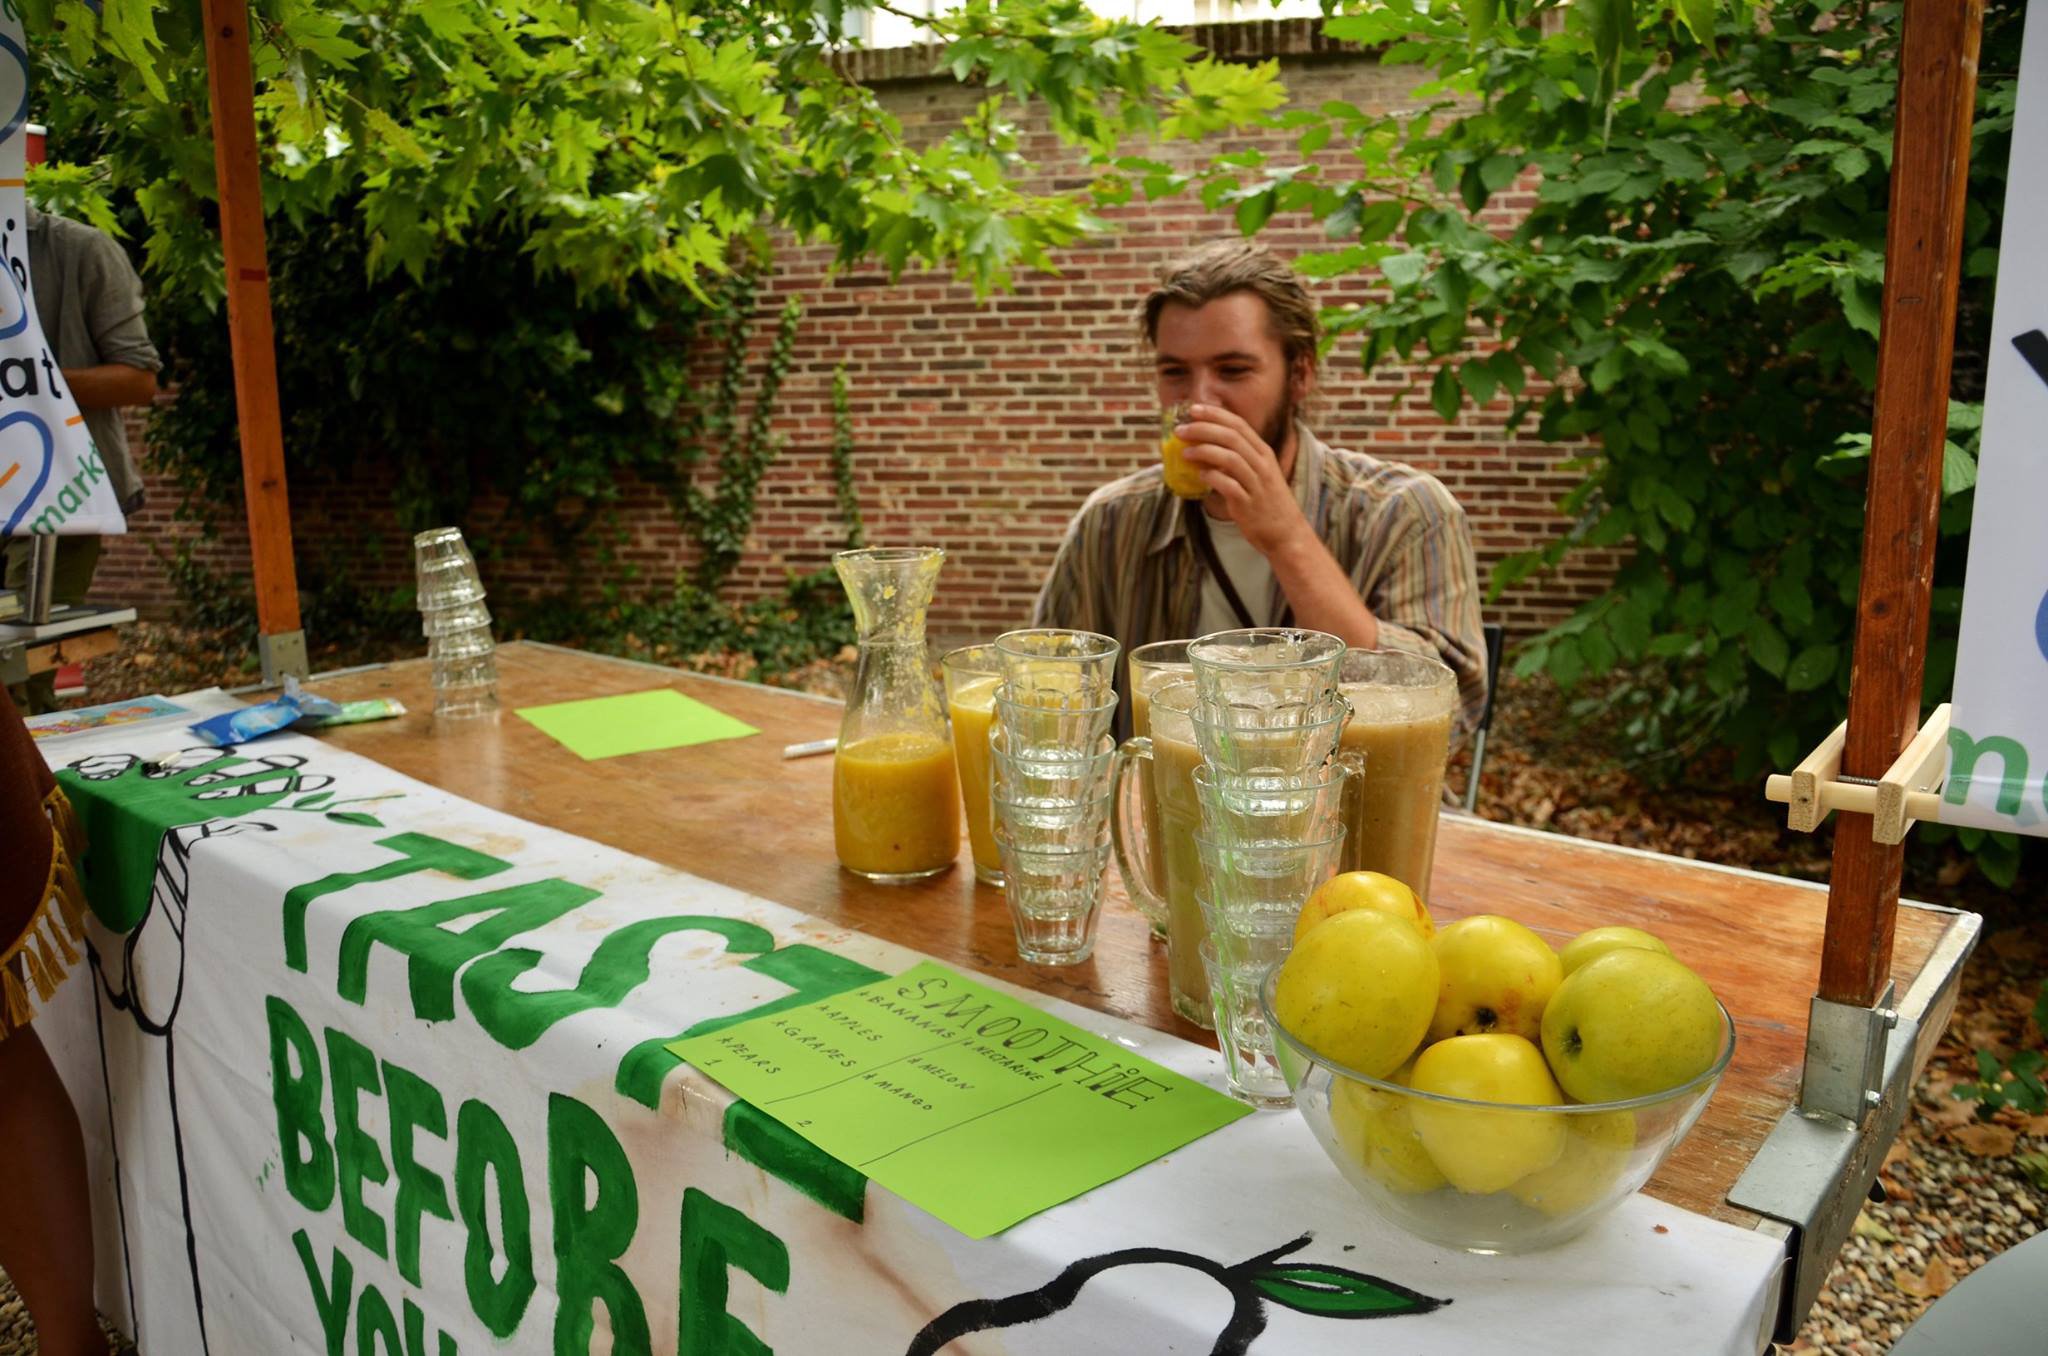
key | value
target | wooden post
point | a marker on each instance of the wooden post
(232, 87)
(1922, 264)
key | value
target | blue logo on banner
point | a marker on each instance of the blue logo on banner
(2041, 626)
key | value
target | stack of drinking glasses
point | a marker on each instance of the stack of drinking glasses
(1250, 800)
(1050, 750)
(457, 623)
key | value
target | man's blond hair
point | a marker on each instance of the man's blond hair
(1226, 266)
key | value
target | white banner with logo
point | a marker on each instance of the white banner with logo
(373, 1069)
(1998, 730)
(51, 476)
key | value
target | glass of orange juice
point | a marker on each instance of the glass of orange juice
(972, 673)
(1183, 478)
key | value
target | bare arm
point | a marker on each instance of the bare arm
(1320, 593)
(1245, 472)
(108, 385)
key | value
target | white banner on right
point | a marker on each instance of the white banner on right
(1998, 733)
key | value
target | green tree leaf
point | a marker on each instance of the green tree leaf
(1480, 17)
(1768, 648)
(1811, 667)
(1698, 18)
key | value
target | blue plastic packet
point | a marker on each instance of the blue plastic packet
(253, 722)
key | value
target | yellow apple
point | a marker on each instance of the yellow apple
(1364, 890)
(1358, 990)
(1596, 1149)
(1600, 941)
(1628, 1024)
(1374, 1129)
(1478, 1149)
(1496, 977)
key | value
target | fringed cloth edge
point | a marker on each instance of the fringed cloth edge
(35, 963)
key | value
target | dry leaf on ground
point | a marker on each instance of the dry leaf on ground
(1932, 1283)
(1950, 1115)
(1986, 1141)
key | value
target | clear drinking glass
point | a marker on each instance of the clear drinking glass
(1243, 1034)
(450, 583)
(1073, 664)
(1055, 898)
(1283, 739)
(1266, 663)
(972, 673)
(1402, 708)
(895, 797)
(1182, 479)
(466, 672)
(1042, 826)
(437, 544)
(1047, 722)
(1263, 809)
(1039, 778)
(444, 621)
(473, 643)
(1262, 886)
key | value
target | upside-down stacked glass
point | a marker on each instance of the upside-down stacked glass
(457, 625)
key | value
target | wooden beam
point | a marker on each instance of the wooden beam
(1922, 265)
(72, 649)
(232, 88)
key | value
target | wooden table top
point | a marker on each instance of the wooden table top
(736, 812)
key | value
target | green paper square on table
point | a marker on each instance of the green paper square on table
(637, 722)
(965, 1102)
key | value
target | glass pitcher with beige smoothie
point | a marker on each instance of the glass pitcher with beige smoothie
(1152, 667)
(1402, 709)
(1168, 892)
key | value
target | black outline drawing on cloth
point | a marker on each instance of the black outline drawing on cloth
(156, 944)
(1314, 1288)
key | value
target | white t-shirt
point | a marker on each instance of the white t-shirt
(1250, 572)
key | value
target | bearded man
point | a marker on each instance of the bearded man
(1287, 531)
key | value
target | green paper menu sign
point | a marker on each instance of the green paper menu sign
(969, 1104)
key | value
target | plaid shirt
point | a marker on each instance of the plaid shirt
(1128, 569)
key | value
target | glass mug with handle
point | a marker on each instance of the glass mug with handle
(1403, 709)
(1152, 667)
(1171, 754)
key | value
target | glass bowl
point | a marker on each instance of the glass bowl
(1569, 1164)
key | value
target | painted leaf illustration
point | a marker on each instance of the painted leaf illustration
(355, 817)
(1336, 1292)
(308, 802)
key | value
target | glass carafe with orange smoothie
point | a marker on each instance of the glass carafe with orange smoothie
(895, 809)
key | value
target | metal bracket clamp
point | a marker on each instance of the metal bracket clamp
(1845, 1056)
(1815, 1171)
(282, 653)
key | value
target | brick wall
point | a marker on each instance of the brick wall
(982, 426)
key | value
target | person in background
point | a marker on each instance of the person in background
(45, 1208)
(90, 302)
(1287, 531)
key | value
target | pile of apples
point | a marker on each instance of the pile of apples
(1484, 1010)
